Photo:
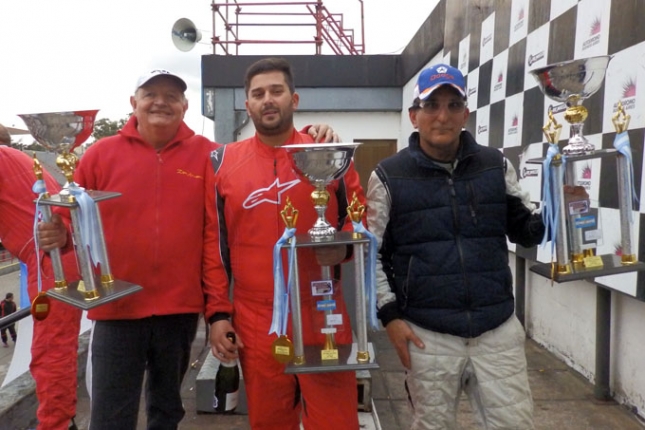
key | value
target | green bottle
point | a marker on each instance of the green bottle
(227, 384)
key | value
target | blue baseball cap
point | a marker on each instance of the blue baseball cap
(436, 76)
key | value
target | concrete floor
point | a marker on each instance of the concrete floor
(563, 399)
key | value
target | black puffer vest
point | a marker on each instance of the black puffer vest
(444, 249)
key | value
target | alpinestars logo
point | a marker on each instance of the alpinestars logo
(271, 194)
(442, 69)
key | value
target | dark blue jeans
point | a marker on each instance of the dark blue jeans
(123, 351)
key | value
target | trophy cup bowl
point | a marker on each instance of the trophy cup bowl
(321, 163)
(572, 82)
(60, 133)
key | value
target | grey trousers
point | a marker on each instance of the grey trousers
(490, 369)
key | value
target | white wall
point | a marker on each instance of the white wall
(562, 318)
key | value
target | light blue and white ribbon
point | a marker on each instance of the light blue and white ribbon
(550, 206)
(280, 293)
(622, 145)
(89, 226)
(370, 274)
(39, 188)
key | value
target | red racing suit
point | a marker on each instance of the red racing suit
(253, 182)
(55, 339)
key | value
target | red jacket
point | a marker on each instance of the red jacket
(154, 230)
(17, 209)
(253, 181)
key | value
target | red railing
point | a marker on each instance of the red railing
(231, 16)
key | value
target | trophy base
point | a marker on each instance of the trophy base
(347, 360)
(611, 265)
(72, 296)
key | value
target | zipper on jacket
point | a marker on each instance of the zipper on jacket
(455, 209)
(471, 202)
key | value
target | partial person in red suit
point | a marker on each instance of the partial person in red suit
(55, 339)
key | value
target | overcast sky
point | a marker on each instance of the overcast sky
(60, 55)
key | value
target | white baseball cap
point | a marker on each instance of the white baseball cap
(143, 79)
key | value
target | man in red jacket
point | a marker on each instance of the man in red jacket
(253, 179)
(55, 339)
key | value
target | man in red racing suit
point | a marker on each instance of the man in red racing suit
(253, 179)
(55, 338)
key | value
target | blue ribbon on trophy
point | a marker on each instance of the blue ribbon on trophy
(370, 273)
(90, 231)
(280, 293)
(550, 204)
(39, 188)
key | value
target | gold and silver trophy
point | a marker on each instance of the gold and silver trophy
(320, 164)
(572, 82)
(566, 215)
(61, 133)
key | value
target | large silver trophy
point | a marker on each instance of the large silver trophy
(572, 82)
(569, 217)
(320, 164)
(60, 133)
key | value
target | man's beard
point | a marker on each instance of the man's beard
(285, 123)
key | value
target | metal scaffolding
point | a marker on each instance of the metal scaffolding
(327, 29)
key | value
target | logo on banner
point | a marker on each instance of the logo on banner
(500, 82)
(520, 20)
(594, 34)
(513, 128)
(561, 107)
(585, 176)
(535, 58)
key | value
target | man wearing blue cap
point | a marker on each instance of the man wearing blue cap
(441, 210)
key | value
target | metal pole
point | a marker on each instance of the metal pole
(575, 233)
(107, 279)
(14, 317)
(603, 339)
(296, 316)
(625, 205)
(561, 246)
(82, 254)
(54, 254)
(520, 289)
(362, 354)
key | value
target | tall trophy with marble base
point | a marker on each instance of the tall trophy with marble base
(60, 133)
(320, 164)
(572, 82)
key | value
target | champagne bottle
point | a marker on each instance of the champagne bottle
(227, 384)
